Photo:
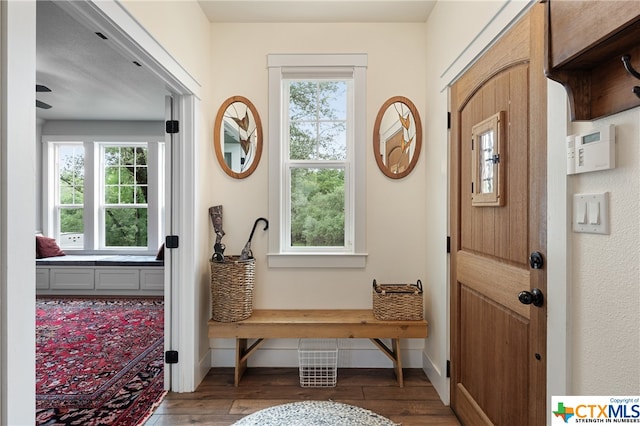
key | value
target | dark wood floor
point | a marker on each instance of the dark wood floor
(217, 402)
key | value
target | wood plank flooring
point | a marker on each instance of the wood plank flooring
(217, 402)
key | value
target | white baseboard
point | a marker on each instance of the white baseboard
(352, 353)
(204, 365)
(438, 379)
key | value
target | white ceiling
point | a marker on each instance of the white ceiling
(90, 80)
(317, 10)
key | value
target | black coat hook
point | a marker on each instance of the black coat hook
(626, 60)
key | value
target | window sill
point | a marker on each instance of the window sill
(317, 260)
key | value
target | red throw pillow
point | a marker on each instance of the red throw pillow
(47, 247)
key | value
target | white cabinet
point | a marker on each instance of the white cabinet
(117, 279)
(152, 279)
(42, 278)
(78, 278)
(120, 280)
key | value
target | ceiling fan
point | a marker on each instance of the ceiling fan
(39, 89)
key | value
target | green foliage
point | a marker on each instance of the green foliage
(125, 177)
(317, 207)
(71, 221)
(126, 227)
(317, 131)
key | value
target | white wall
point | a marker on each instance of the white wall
(605, 289)
(181, 28)
(397, 212)
(184, 31)
(17, 213)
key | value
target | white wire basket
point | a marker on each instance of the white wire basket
(318, 362)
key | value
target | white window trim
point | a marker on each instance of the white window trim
(102, 206)
(279, 65)
(92, 241)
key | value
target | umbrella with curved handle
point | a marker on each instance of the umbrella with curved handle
(246, 251)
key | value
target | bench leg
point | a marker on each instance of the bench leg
(241, 362)
(242, 356)
(398, 361)
(394, 355)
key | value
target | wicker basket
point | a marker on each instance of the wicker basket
(398, 301)
(232, 289)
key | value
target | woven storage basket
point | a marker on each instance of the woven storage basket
(398, 301)
(232, 289)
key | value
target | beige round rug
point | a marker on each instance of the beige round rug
(314, 413)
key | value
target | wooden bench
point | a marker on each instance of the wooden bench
(271, 324)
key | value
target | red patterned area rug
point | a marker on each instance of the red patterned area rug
(98, 361)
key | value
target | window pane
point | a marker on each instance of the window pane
(66, 194)
(71, 220)
(317, 207)
(332, 100)
(317, 120)
(112, 195)
(486, 162)
(332, 141)
(126, 194)
(303, 141)
(70, 174)
(302, 100)
(141, 195)
(112, 156)
(141, 175)
(141, 156)
(126, 227)
(70, 195)
(125, 174)
(71, 228)
(111, 175)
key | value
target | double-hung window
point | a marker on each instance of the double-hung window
(105, 196)
(124, 193)
(316, 170)
(69, 195)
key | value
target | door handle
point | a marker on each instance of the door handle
(534, 297)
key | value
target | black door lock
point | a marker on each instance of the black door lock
(535, 260)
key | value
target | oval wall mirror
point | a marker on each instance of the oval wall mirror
(237, 137)
(397, 137)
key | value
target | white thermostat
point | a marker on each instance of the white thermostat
(592, 151)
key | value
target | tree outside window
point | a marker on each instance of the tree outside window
(125, 196)
(70, 195)
(317, 117)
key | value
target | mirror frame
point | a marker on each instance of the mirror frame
(418, 137)
(218, 143)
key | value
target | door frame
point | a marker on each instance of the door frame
(132, 40)
(558, 273)
(557, 373)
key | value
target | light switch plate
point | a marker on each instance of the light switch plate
(591, 213)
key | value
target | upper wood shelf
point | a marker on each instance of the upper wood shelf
(585, 41)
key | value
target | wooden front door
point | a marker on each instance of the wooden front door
(498, 195)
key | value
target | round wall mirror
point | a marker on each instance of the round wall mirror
(397, 137)
(237, 137)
